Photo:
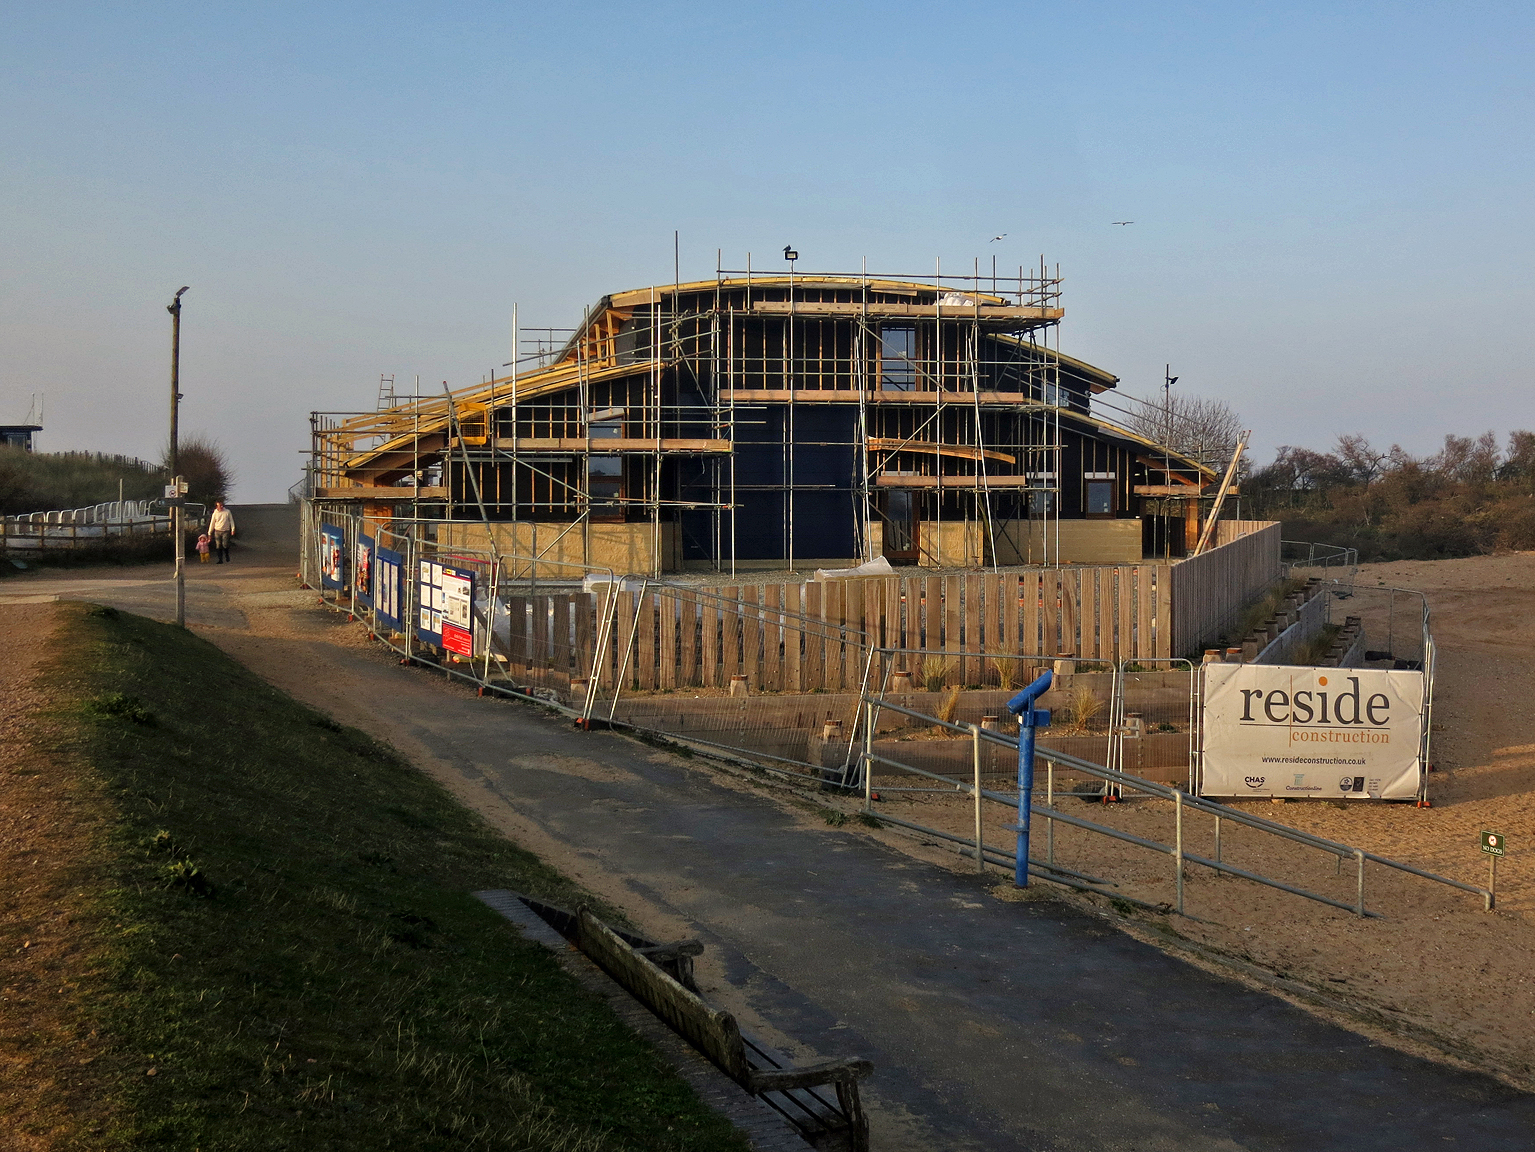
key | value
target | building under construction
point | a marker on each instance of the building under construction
(781, 421)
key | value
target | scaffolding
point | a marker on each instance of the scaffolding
(933, 403)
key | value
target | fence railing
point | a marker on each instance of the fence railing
(1310, 554)
(1184, 806)
(85, 527)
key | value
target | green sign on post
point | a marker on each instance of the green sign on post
(1492, 843)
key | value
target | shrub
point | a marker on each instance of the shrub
(123, 707)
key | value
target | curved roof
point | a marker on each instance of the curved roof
(589, 355)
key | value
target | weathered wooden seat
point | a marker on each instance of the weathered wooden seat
(660, 976)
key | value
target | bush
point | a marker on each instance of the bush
(1466, 500)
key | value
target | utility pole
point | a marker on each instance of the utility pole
(174, 491)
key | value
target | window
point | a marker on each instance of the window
(898, 358)
(1056, 394)
(1100, 497)
(1041, 503)
(605, 474)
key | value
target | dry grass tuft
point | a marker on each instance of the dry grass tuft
(1083, 709)
(936, 671)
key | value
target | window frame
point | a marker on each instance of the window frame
(909, 376)
(1088, 485)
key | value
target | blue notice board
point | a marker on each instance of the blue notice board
(446, 596)
(388, 587)
(332, 556)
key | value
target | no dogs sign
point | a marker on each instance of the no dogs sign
(1492, 843)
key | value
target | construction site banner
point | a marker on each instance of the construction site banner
(1328, 733)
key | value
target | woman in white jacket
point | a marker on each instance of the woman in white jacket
(222, 526)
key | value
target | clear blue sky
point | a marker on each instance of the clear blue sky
(1332, 202)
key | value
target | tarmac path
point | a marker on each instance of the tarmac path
(992, 1024)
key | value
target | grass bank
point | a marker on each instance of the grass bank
(285, 954)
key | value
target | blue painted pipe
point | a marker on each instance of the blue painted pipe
(1029, 718)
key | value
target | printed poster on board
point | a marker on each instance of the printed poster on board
(332, 556)
(1329, 733)
(446, 596)
(362, 570)
(388, 568)
(458, 611)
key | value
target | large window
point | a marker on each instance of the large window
(605, 474)
(898, 357)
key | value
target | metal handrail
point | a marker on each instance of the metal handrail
(1168, 792)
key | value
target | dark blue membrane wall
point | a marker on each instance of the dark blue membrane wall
(821, 518)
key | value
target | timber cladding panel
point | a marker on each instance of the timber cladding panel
(1210, 591)
(816, 637)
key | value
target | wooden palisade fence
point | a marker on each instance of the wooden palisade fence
(807, 637)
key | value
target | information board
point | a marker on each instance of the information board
(446, 596)
(362, 570)
(388, 587)
(1329, 733)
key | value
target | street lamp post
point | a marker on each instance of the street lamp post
(174, 308)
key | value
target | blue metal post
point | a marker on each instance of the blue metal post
(1029, 718)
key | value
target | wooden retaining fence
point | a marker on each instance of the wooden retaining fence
(816, 636)
(793, 637)
(1210, 592)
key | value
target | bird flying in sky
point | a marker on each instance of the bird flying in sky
(1121, 221)
(994, 239)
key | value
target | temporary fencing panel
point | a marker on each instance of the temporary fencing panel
(388, 591)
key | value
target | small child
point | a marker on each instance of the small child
(204, 542)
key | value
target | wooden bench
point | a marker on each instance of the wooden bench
(660, 976)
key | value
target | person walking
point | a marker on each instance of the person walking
(222, 525)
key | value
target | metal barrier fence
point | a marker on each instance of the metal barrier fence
(773, 680)
(86, 527)
(977, 741)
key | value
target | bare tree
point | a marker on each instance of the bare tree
(1364, 462)
(1467, 460)
(1205, 430)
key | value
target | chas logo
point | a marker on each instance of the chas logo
(1255, 781)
